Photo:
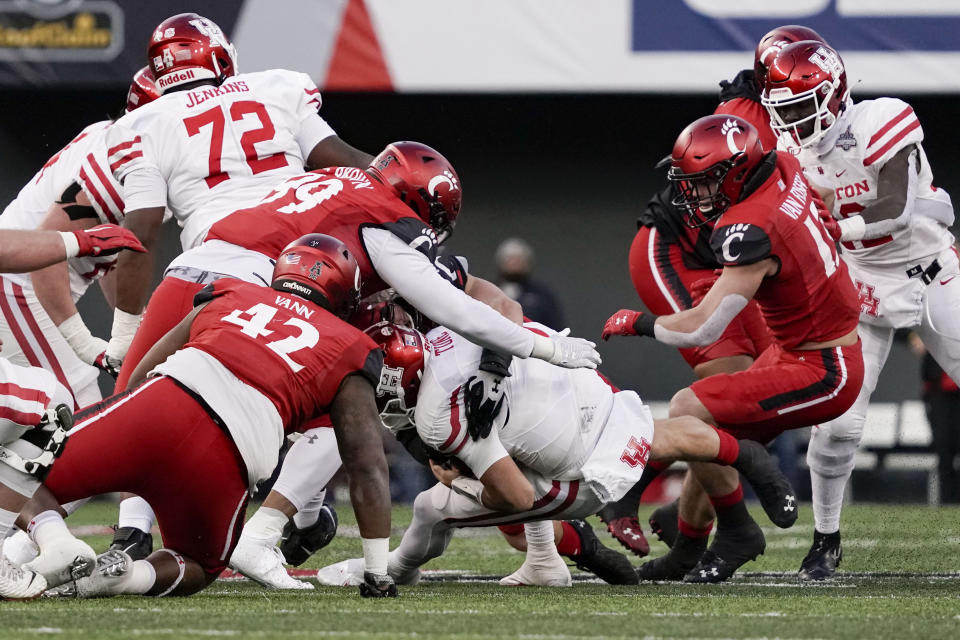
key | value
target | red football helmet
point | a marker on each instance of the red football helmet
(773, 41)
(403, 361)
(143, 89)
(188, 47)
(321, 269)
(424, 180)
(710, 162)
(806, 92)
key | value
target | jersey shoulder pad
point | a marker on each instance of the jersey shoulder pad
(884, 126)
(740, 243)
(416, 233)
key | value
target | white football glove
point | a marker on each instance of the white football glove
(565, 351)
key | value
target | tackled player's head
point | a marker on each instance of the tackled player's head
(711, 160)
(321, 269)
(424, 180)
(404, 353)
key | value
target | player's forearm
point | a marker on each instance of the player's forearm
(22, 251)
(695, 328)
(491, 295)
(52, 287)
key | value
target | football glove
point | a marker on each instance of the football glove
(378, 586)
(622, 323)
(105, 240)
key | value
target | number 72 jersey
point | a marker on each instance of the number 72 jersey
(210, 151)
(811, 298)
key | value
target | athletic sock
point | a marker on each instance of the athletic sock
(265, 526)
(729, 448)
(46, 528)
(310, 513)
(690, 531)
(731, 510)
(827, 501)
(569, 543)
(139, 579)
(135, 512)
(540, 538)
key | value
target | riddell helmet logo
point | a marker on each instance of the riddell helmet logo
(175, 78)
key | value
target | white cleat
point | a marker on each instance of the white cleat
(64, 561)
(107, 579)
(264, 565)
(17, 583)
(19, 549)
(550, 571)
(348, 573)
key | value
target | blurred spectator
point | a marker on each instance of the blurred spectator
(514, 260)
(941, 396)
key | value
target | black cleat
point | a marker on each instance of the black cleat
(773, 489)
(823, 558)
(132, 541)
(663, 522)
(681, 558)
(731, 549)
(610, 566)
(297, 545)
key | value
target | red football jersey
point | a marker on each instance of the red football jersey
(291, 350)
(337, 201)
(811, 298)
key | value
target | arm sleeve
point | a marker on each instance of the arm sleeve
(133, 164)
(416, 280)
(312, 128)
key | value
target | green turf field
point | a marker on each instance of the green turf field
(901, 580)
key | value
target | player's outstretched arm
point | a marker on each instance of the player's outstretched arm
(22, 250)
(491, 295)
(356, 423)
(164, 348)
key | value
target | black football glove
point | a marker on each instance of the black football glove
(378, 586)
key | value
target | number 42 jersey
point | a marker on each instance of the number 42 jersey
(212, 150)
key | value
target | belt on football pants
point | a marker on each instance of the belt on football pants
(928, 274)
(192, 274)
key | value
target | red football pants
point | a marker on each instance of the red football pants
(783, 390)
(169, 304)
(663, 282)
(158, 442)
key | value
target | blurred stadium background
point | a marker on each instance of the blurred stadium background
(554, 114)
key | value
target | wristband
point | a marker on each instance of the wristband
(125, 324)
(70, 243)
(468, 488)
(852, 228)
(645, 325)
(78, 336)
(495, 362)
(375, 553)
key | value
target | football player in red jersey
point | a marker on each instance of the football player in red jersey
(214, 399)
(669, 255)
(773, 246)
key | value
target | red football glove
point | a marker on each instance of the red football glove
(622, 323)
(831, 225)
(105, 240)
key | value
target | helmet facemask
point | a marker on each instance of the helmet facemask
(801, 120)
(700, 194)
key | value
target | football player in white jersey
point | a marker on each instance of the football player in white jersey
(564, 444)
(31, 434)
(212, 143)
(867, 161)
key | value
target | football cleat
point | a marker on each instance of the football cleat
(264, 564)
(681, 558)
(107, 578)
(547, 571)
(298, 544)
(823, 558)
(731, 549)
(627, 531)
(773, 489)
(132, 541)
(349, 573)
(378, 586)
(17, 583)
(610, 566)
(663, 522)
(67, 560)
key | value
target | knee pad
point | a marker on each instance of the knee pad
(831, 456)
(34, 451)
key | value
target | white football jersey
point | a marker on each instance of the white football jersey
(848, 161)
(83, 160)
(208, 152)
(550, 422)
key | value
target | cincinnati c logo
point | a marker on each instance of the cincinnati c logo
(729, 128)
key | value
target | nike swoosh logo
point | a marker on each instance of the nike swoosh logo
(840, 173)
(946, 280)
